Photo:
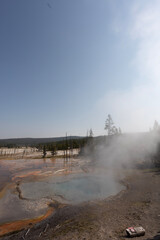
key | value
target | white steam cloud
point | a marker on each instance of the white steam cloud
(135, 109)
(127, 150)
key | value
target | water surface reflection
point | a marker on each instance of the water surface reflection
(35, 183)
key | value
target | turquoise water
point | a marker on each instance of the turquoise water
(40, 185)
(73, 189)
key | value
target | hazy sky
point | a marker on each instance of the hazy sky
(66, 64)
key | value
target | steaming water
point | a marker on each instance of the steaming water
(73, 189)
(40, 185)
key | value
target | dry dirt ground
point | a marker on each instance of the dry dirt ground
(138, 205)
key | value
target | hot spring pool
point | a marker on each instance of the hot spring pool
(73, 189)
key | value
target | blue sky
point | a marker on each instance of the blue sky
(66, 65)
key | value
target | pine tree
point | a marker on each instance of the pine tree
(44, 151)
(90, 133)
(109, 125)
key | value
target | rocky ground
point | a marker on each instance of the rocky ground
(138, 205)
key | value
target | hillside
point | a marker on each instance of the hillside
(32, 141)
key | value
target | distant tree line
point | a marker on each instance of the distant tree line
(8, 145)
(63, 145)
(30, 142)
